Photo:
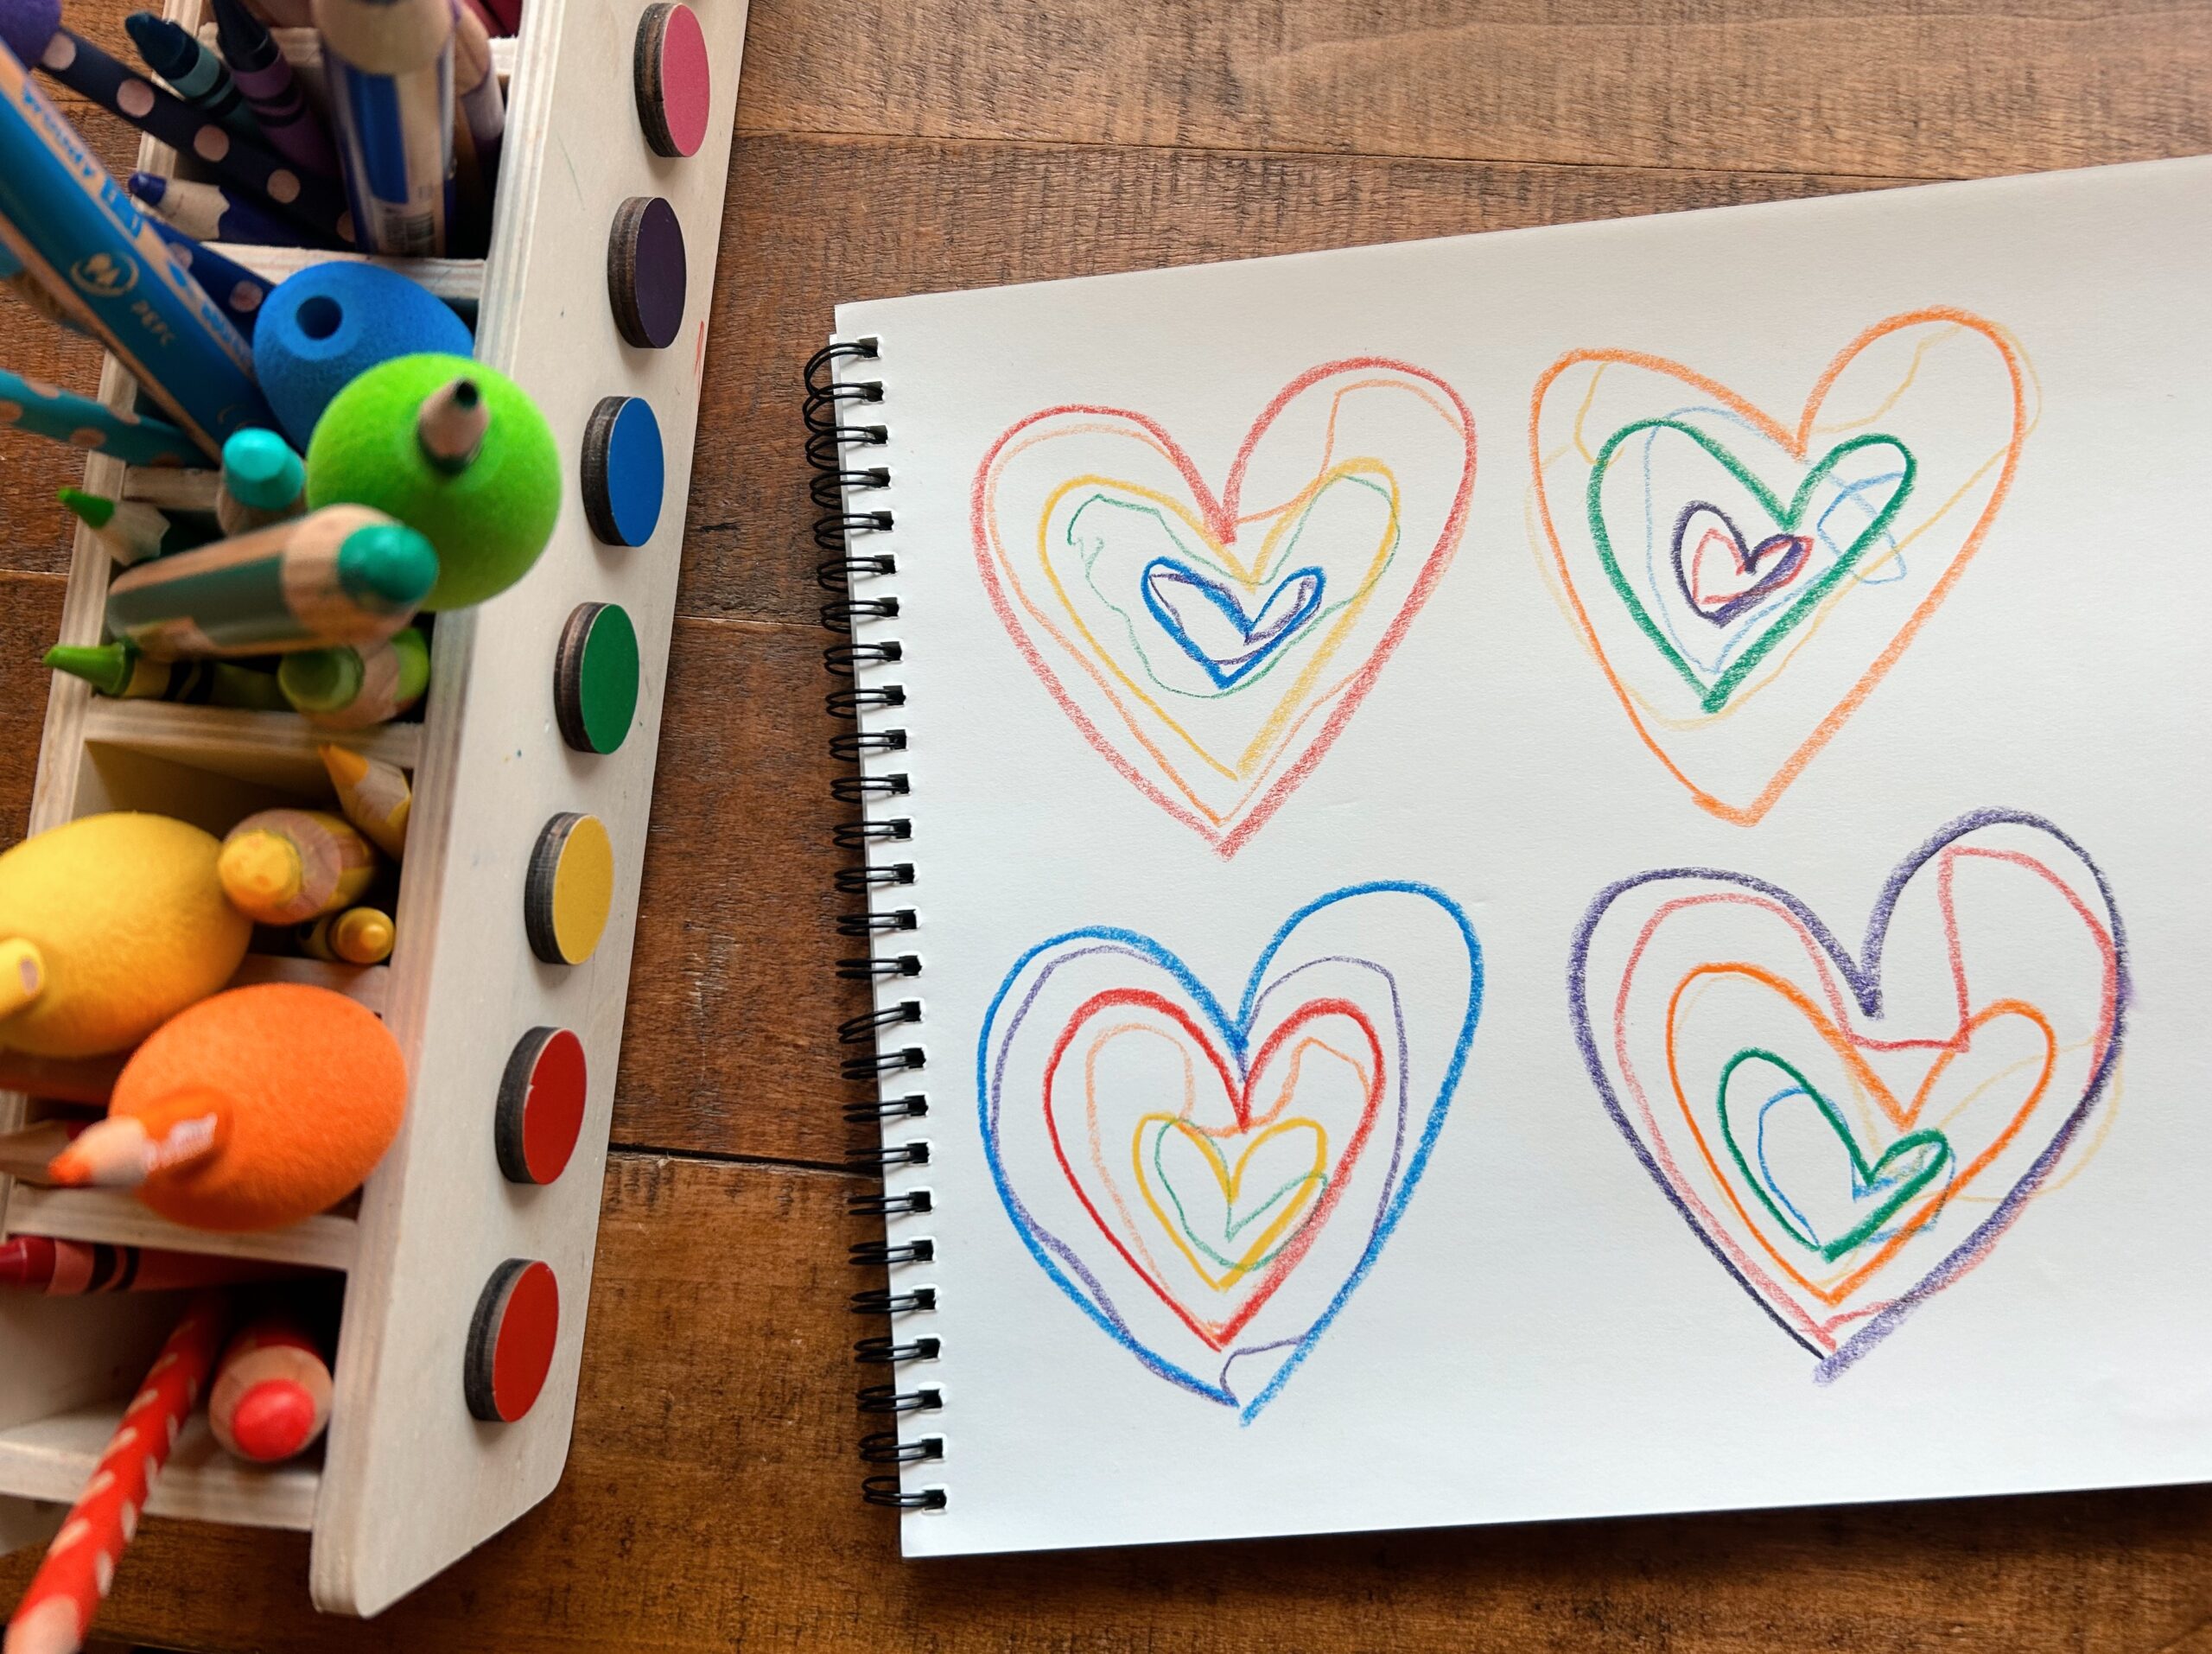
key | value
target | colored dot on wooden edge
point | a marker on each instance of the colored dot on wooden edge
(541, 1108)
(625, 471)
(570, 888)
(595, 677)
(675, 81)
(510, 1340)
(647, 273)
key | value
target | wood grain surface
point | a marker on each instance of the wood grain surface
(709, 1501)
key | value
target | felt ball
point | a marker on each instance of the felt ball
(315, 1087)
(489, 517)
(323, 327)
(129, 924)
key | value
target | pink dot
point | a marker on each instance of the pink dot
(87, 438)
(245, 298)
(134, 98)
(345, 226)
(282, 187)
(61, 53)
(213, 143)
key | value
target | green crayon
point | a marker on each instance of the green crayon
(121, 671)
(346, 574)
(131, 533)
(346, 688)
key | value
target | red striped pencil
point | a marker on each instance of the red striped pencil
(68, 1268)
(271, 1399)
(56, 1612)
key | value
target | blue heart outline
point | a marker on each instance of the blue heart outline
(1236, 1034)
(1217, 593)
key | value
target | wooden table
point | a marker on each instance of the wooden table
(710, 1500)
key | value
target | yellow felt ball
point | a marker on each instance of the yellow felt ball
(108, 926)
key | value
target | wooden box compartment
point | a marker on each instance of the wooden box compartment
(408, 1480)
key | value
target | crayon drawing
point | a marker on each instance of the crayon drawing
(1849, 1135)
(1211, 647)
(1745, 582)
(1208, 1185)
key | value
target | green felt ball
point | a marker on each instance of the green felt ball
(490, 519)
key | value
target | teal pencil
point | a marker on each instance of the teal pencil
(48, 410)
(345, 574)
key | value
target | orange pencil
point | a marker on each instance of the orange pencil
(271, 1394)
(56, 1612)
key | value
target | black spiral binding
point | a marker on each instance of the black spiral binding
(832, 445)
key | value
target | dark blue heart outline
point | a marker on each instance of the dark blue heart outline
(1217, 593)
(1235, 1035)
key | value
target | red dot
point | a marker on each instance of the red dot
(522, 1352)
(541, 1108)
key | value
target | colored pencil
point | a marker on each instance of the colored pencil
(120, 671)
(389, 66)
(285, 867)
(237, 291)
(193, 73)
(211, 212)
(48, 410)
(57, 1609)
(288, 121)
(450, 425)
(262, 481)
(270, 1398)
(312, 202)
(481, 123)
(346, 574)
(132, 531)
(347, 688)
(60, 211)
(68, 1268)
(374, 795)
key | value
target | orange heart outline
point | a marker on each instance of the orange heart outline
(1796, 443)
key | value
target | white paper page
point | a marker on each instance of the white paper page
(1714, 1209)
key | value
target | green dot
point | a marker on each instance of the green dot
(595, 677)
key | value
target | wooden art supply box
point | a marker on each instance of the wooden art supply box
(409, 1478)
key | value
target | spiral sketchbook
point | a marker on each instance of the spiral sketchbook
(1552, 874)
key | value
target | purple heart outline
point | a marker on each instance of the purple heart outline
(1864, 981)
(1792, 548)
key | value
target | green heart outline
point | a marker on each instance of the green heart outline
(1866, 1174)
(1711, 697)
(1235, 1225)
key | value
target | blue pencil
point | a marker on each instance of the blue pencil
(389, 65)
(211, 212)
(48, 410)
(73, 227)
(232, 285)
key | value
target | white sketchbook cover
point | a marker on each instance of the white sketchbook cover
(1556, 873)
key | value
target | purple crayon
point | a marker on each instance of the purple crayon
(32, 30)
(272, 91)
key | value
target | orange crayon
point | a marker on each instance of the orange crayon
(271, 1395)
(56, 1612)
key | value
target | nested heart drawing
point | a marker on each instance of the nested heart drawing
(1211, 647)
(1209, 1185)
(1850, 1134)
(1746, 580)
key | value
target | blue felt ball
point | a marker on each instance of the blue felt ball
(323, 327)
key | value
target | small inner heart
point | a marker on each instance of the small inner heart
(1720, 575)
(1208, 624)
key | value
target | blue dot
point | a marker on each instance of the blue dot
(634, 474)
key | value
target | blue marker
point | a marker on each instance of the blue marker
(74, 228)
(389, 64)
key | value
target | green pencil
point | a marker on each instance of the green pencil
(121, 671)
(345, 574)
(132, 531)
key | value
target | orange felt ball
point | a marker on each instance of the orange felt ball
(315, 1087)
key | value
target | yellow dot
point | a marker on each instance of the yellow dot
(569, 889)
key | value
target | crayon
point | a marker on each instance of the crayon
(121, 671)
(131, 533)
(481, 120)
(346, 688)
(262, 482)
(271, 1399)
(56, 1612)
(311, 201)
(48, 410)
(506, 15)
(360, 936)
(60, 211)
(237, 292)
(68, 1268)
(24, 1153)
(272, 91)
(374, 795)
(282, 867)
(345, 574)
(193, 73)
(389, 67)
(211, 212)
